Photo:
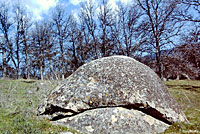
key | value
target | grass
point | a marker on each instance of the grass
(187, 94)
(18, 103)
(20, 98)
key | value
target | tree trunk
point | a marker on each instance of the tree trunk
(158, 60)
(63, 75)
(41, 73)
(27, 68)
(4, 63)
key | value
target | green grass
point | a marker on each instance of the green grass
(187, 94)
(20, 124)
(18, 103)
(20, 98)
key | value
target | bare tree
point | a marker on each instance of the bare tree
(190, 11)
(60, 22)
(25, 27)
(42, 47)
(129, 22)
(161, 23)
(191, 48)
(17, 41)
(5, 29)
(73, 32)
(21, 48)
(106, 23)
(183, 61)
(89, 26)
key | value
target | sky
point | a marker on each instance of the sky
(40, 8)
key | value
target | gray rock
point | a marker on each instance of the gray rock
(29, 92)
(116, 120)
(92, 94)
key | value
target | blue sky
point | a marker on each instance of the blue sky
(40, 8)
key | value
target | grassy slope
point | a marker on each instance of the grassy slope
(19, 100)
(187, 93)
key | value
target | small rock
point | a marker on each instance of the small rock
(29, 92)
(66, 133)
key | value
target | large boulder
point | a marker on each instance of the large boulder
(115, 94)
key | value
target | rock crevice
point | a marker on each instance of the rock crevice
(145, 108)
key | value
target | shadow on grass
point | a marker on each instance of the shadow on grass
(29, 81)
(186, 87)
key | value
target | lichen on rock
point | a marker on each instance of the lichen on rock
(106, 85)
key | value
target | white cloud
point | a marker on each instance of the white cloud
(75, 14)
(113, 4)
(39, 7)
(36, 7)
(76, 2)
(46, 4)
(127, 2)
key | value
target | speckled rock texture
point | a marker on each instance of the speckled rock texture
(116, 120)
(114, 94)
